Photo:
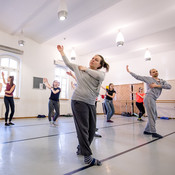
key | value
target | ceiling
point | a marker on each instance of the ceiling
(92, 25)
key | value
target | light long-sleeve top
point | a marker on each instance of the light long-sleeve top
(153, 92)
(88, 83)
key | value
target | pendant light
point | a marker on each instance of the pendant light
(21, 41)
(120, 39)
(73, 54)
(147, 55)
(62, 10)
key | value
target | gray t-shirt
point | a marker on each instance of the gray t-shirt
(88, 83)
(154, 92)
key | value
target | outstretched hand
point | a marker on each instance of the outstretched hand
(45, 80)
(60, 48)
(127, 69)
(69, 73)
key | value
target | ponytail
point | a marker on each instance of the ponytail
(11, 80)
(103, 64)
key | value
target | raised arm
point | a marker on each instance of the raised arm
(45, 81)
(138, 77)
(103, 87)
(72, 75)
(3, 78)
(65, 59)
(55, 91)
(0, 87)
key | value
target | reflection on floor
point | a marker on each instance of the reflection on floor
(33, 147)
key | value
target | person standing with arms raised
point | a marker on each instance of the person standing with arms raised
(154, 89)
(89, 81)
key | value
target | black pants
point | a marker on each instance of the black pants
(54, 105)
(85, 123)
(9, 102)
(141, 109)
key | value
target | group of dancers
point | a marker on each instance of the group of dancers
(83, 102)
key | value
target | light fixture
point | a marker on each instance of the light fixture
(147, 55)
(62, 10)
(21, 41)
(120, 39)
(73, 54)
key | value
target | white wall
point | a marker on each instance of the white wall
(36, 61)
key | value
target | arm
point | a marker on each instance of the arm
(72, 75)
(45, 81)
(55, 91)
(140, 95)
(103, 87)
(112, 96)
(98, 75)
(0, 87)
(3, 78)
(164, 86)
(11, 90)
(138, 77)
(65, 59)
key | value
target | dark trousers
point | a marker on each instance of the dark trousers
(53, 105)
(85, 123)
(9, 102)
(141, 109)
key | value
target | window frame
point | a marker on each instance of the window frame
(9, 69)
(60, 80)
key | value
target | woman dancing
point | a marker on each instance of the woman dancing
(89, 81)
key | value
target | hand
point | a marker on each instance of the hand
(82, 68)
(45, 80)
(69, 73)
(60, 48)
(127, 69)
(154, 85)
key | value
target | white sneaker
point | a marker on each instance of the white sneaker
(54, 124)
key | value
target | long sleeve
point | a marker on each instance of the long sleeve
(98, 75)
(165, 85)
(141, 78)
(68, 63)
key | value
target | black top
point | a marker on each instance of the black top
(110, 93)
(55, 97)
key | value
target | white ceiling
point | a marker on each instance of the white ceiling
(92, 25)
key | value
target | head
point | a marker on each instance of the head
(56, 84)
(140, 89)
(11, 80)
(154, 73)
(111, 86)
(97, 62)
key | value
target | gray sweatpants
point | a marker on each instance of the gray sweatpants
(53, 105)
(85, 123)
(150, 105)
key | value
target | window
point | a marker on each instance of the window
(61, 76)
(10, 66)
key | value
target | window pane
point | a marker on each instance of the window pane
(5, 62)
(13, 74)
(57, 72)
(63, 72)
(13, 64)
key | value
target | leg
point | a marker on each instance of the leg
(112, 108)
(139, 106)
(108, 108)
(51, 109)
(12, 106)
(150, 105)
(81, 117)
(57, 109)
(6, 101)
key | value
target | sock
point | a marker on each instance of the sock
(91, 161)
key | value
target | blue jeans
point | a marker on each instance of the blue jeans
(110, 108)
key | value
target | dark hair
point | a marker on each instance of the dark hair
(140, 88)
(103, 64)
(110, 85)
(11, 80)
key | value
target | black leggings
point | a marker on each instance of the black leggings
(9, 101)
(141, 109)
